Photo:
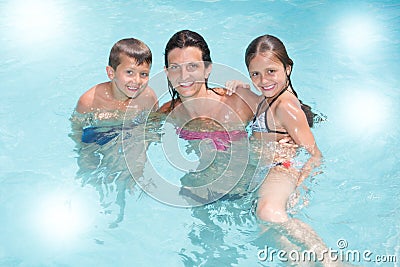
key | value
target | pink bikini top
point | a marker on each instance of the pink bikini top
(221, 139)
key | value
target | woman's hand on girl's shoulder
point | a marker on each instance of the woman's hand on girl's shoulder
(234, 86)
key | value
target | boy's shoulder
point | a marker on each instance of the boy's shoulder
(147, 98)
(86, 102)
(149, 93)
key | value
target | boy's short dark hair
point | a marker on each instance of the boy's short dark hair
(131, 47)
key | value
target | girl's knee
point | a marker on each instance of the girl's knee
(268, 212)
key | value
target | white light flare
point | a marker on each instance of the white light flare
(364, 113)
(61, 219)
(34, 21)
(359, 33)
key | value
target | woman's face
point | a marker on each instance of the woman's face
(268, 74)
(187, 71)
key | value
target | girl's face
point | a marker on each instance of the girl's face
(186, 71)
(268, 74)
(129, 79)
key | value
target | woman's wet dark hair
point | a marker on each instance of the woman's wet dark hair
(182, 39)
(271, 44)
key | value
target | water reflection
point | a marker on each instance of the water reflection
(101, 160)
(112, 158)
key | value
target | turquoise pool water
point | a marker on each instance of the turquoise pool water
(346, 56)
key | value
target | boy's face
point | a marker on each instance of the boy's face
(129, 79)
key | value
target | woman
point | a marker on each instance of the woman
(200, 112)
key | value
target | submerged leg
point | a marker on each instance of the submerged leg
(273, 196)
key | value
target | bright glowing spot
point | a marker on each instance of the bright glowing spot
(364, 112)
(34, 20)
(358, 33)
(60, 218)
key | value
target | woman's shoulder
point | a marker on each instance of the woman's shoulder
(166, 107)
(242, 107)
(169, 106)
(245, 99)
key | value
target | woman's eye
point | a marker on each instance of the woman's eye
(173, 67)
(192, 67)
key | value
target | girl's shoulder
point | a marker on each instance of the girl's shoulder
(290, 105)
(288, 100)
(287, 105)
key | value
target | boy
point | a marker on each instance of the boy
(99, 114)
(128, 70)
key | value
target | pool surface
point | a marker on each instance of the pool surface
(346, 65)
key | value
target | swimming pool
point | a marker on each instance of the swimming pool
(346, 58)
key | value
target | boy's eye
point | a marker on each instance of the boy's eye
(144, 74)
(254, 74)
(129, 72)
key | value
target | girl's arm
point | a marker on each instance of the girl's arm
(293, 119)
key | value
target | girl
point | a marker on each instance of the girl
(279, 115)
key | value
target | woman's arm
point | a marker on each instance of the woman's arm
(242, 90)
